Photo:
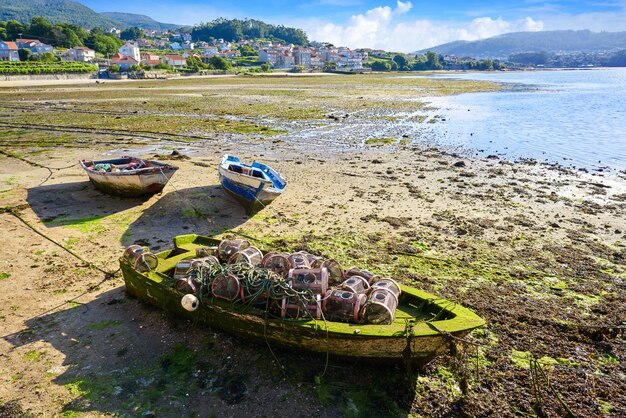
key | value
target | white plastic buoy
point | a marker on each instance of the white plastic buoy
(189, 302)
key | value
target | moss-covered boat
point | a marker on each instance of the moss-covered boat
(419, 332)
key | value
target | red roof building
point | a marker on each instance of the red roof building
(123, 61)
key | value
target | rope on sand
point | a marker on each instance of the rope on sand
(14, 211)
(107, 274)
(35, 164)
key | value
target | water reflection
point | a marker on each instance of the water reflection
(573, 117)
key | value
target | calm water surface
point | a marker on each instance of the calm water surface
(575, 117)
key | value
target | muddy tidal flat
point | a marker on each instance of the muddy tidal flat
(537, 250)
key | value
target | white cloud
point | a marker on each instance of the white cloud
(530, 25)
(402, 8)
(389, 29)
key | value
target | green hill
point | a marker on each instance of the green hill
(563, 41)
(141, 21)
(56, 11)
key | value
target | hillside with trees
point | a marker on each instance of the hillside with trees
(65, 35)
(564, 41)
(55, 11)
(235, 30)
(429, 61)
(142, 21)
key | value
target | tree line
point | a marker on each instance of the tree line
(235, 30)
(430, 61)
(61, 35)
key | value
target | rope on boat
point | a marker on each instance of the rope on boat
(259, 282)
(256, 281)
(407, 352)
(34, 164)
(267, 341)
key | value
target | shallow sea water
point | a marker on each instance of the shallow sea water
(573, 117)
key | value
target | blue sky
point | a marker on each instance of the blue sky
(390, 24)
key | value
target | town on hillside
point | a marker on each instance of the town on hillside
(137, 50)
(157, 48)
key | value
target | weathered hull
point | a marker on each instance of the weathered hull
(252, 194)
(148, 180)
(385, 342)
(130, 185)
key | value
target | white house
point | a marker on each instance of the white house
(209, 51)
(174, 60)
(130, 49)
(80, 54)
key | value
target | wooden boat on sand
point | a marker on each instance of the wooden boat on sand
(421, 329)
(128, 176)
(253, 186)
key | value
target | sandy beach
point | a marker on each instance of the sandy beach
(537, 250)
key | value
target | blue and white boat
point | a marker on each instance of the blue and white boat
(254, 186)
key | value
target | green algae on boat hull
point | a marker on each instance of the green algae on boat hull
(428, 316)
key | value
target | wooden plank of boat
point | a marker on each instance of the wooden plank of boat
(128, 176)
(419, 331)
(253, 186)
